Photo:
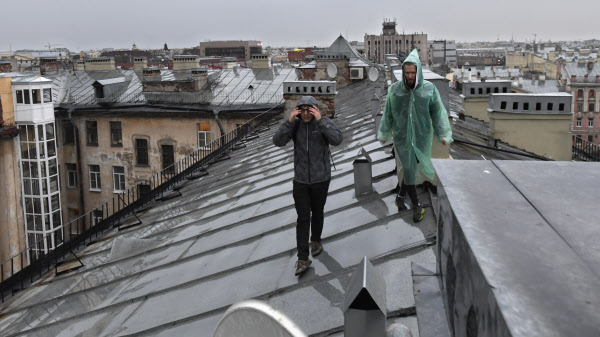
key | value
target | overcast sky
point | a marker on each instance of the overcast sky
(83, 25)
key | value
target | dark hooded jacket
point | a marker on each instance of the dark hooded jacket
(311, 145)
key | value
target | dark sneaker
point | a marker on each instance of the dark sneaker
(418, 213)
(301, 266)
(315, 248)
(400, 203)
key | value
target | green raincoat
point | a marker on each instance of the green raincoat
(411, 117)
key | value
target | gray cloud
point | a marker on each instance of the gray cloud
(149, 23)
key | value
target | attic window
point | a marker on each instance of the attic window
(538, 106)
(515, 105)
(550, 106)
(480, 91)
(312, 89)
(99, 92)
(305, 89)
(526, 106)
(503, 105)
(488, 90)
(320, 90)
(298, 89)
(289, 89)
(505, 90)
(328, 90)
(561, 107)
(472, 91)
(496, 90)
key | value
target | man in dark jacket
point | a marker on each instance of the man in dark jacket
(312, 135)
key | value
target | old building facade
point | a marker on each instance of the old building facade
(391, 42)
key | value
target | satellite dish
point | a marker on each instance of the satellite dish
(373, 74)
(331, 70)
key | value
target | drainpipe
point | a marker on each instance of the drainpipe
(216, 113)
(79, 168)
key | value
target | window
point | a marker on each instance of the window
(590, 122)
(68, 133)
(526, 106)
(488, 90)
(472, 91)
(580, 93)
(591, 107)
(99, 92)
(591, 93)
(168, 158)
(538, 106)
(480, 91)
(590, 138)
(503, 105)
(26, 96)
(95, 184)
(47, 95)
(204, 135)
(505, 90)
(118, 179)
(578, 140)
(115, 134)
(141, 149)
(515, 105)
(550, 106)
(496, 90)
(36, 96)
(579, 107)
(20, 96)
(71, 175)
(578, 121)
(97, 216)
(92, 132)
(561, 107)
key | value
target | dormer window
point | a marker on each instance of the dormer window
(99, 92)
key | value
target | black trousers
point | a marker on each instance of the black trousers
(412, 192)
(309, 198)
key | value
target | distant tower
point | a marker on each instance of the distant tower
(389, 27)
(34, 115)
(166, 48)
(134, 47)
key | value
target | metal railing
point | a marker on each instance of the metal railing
(31, 264)
(584, 150)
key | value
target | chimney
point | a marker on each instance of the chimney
(79, 65)
(48, 65)
(469, 75)
(261, 61)
(5, 66)
(323, 91)
(590, 65)
(228, 62)
(139, 63)
(200, 76)
(100, 64)
(186, 62)
(521, 81)
(149, 73)
(236, 71)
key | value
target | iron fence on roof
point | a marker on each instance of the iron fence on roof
(31, 264)
(197, 97)
(586, 151)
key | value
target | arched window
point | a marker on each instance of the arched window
(579, 93)
(591, 93)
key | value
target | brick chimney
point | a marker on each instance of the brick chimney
(139, 63)
(149, 73)
(79, 65)
(323, 91)
(228, 62)
(200, 76)
(5, 66)
(100, 64)
(261, 61)
(186, 62)
(48, 65)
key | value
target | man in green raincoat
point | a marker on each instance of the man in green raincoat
(413, 111)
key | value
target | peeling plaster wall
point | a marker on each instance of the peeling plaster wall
(12, 225)
(178, 131)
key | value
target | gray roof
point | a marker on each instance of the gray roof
(341, 45)
(580, 70)
(230, 237)
(228, 86)
(490, 72)
(536, 86)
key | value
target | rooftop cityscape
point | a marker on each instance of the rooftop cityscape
(145, 192)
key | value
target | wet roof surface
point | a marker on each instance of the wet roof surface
(231, 237)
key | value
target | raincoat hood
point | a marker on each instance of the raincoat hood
(413, 58)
